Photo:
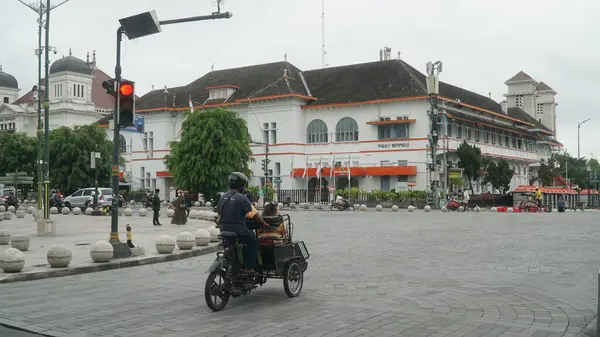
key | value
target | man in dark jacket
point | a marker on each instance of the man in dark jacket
(156, 208)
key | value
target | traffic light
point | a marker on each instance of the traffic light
(126, 103)
(265, 165)
(109, 86)
(126, 92)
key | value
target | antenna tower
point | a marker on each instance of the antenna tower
(323, 51)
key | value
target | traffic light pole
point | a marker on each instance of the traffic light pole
(47, 119)
(114, 220)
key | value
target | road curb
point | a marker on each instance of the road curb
(112, 265)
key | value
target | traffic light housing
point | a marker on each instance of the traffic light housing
(265, 165)
(126, 103)
(126, 95)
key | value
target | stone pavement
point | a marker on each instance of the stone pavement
(80, 232)
(376, 274)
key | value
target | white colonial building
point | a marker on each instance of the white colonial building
(76, 97)
(368, 121)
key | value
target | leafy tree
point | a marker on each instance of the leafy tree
(470, 161)
(500, 175)
(546, 172)
(213, 144)
(70, 150)
(18, 153)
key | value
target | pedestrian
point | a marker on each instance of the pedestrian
(129, 236)
(188, 203)
(156, 208)
(179, 217)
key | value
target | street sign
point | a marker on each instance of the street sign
(277, 181)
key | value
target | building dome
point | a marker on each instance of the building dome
(8, 80)
(70, 63)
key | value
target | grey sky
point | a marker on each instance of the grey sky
(482, 43)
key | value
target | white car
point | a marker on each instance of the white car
(84, 197)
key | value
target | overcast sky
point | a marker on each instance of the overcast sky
(482, 43)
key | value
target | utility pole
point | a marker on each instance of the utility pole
(134, 27)
(41, 9)
(433, 87)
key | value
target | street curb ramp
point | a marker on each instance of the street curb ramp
(112, 265)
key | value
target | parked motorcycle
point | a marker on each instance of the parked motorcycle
(344, 206)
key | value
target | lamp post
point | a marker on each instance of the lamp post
(134, 27)
(578, 138)
(433, 86)
(42, 9)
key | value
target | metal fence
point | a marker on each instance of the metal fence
(298, 196)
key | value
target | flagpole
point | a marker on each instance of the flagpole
(306, 176)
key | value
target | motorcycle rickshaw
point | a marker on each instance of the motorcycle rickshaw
(278, 258)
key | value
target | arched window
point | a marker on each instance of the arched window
(122, 144)
(316, 132)
(346, 130)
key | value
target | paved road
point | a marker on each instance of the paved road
(6, 332)
(370, 274)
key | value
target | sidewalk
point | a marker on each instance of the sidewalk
(80, 232)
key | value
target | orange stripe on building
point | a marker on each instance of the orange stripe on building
(358, 171)
(163, 174)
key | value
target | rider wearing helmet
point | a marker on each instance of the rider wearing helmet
(234, 208)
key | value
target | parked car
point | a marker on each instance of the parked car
(84, 198)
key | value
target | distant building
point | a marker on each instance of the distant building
(76, 97)
(366, 121)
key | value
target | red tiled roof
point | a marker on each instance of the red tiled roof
(586, 190)
(28, 97)
(546, 190)
(99, 96)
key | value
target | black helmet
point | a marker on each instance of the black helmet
(237, 180)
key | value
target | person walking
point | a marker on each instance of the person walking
(179, 217)
(156, 208)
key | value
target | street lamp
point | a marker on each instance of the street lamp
(42, 9)
(578, 129)
(433, 89)
(134, 27)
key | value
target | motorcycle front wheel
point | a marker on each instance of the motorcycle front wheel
(216, 290)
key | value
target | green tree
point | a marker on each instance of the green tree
(70, 150)
(213, 144)
(547, 172)
(470, 161)
(500, 175)
(18, 153)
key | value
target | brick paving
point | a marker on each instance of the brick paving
(370, 274)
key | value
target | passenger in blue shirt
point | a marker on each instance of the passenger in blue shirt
(235, 208)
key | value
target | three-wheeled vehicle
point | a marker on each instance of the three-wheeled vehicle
(278, 258)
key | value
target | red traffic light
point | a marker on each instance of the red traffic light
(126, 89)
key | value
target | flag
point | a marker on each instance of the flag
(319, 171)
(305, 170)
(332, 168)
(191, 103)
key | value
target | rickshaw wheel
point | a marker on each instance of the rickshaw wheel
(215, 289)
(293, 279)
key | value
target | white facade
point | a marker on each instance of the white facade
(285, 121)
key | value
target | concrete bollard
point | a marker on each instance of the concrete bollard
(20, 242)
(427, 208)
(4, 238)
(214, 233)
(185, 240)
(202, 237)
(379, 208)
(395, 208)
(59, 256)
(76, 211)
(142, 212)
(65, 211)
(12, 260)
(102, 251)
(165, 244)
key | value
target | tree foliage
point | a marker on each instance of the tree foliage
(213, 144)
(70, 150)
(18, 153)
(565, 165)
(498, 174)
(470, 161)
